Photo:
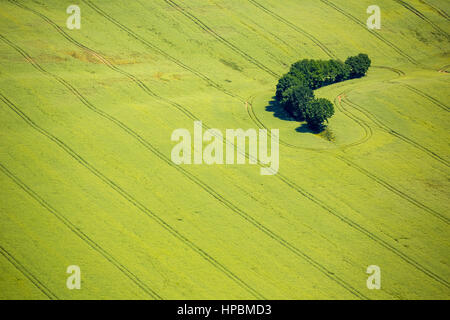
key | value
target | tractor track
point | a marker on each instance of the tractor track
(368, 134)
(394, 190)
(257, 26)
(317, 42)
(375, 34)
(348, 221)
(357, 226)
(250, 111)
(366, 232)
(400, 136)
(35, 281)
(228, 204)
(115, 68)
(343, 218)
(222, 40)
(367, 129)
(77, 231)
(425, 95)
(397, 71)
(158, 50)
(441, 12)
(415, 90)
(261, 125)
(150, 214)
(410, 8)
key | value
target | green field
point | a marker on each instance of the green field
(85, 152)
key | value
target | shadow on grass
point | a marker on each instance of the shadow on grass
(305, 129)
(279, 112)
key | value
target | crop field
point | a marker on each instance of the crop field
(87, 178)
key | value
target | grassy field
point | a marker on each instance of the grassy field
(87, 179)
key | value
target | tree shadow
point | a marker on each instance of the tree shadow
(278, 111)
(304, 128)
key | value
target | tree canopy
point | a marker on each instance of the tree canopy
(358, 65)
(295, 99)
(317, 112)
(295, 89)
(287, 81)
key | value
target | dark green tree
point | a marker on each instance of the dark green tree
(295, 89)
(358, 65)
(310, 70)
(287, 81)
(295, 99)
(317, 112)
(337, 72)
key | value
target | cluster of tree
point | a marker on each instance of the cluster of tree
(295, 89)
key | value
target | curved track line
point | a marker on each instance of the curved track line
(381, 242)
(259, 124)
(228, 204)
(35, 281)
(368, 134)
(387, 129)
(355, 225)
(405, 139)
(337, 102)
(367, 129)
(130, 76)
(150, 214)
(397, 71)
(76, 230)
